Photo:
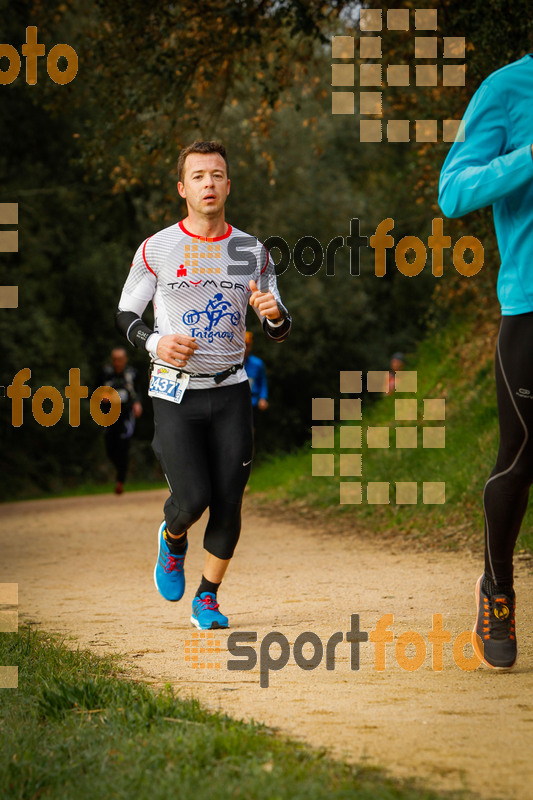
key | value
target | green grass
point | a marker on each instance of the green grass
(456, 363)
(78, 728)
(90, 488)
(108, 488)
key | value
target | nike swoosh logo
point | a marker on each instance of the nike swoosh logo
(245, 463)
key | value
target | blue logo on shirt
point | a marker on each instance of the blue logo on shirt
(215, 310)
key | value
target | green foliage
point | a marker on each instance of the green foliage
(455, 363)
(91, 165)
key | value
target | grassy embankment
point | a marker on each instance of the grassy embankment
(77, 728)
(455, 363)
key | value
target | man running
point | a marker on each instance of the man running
(494, 166)
(200, 275)
(123, 378)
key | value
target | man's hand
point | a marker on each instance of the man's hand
(176, 348)
(262, 404)
(137, 409)
(264, 302)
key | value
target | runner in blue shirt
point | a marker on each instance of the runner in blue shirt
(494, 166)
(255, 369)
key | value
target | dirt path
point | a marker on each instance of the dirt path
(450, 729)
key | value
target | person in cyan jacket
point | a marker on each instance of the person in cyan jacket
(493, 166)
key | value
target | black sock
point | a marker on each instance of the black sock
(207, 586)
(506, 589)
(176, 547)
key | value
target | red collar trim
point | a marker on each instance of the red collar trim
(205, 238)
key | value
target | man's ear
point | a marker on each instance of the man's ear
(181, 190)
(229, 184)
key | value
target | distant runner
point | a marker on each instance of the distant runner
(255, 369)
(397, 363)
(123, 378)
(494, 166)
(200, 275)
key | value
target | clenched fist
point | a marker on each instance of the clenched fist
(176, 348)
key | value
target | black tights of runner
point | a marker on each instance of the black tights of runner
(507, 489)
(118, 450)
(204, 445)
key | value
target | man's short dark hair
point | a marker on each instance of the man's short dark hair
(201, 147)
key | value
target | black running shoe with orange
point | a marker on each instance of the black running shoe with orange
(495, 627)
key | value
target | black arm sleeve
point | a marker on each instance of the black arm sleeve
(280, 332)
(134, 329)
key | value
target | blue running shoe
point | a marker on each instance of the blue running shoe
(169, 577)
(205, 613)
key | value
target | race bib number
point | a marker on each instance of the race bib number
(165, 384)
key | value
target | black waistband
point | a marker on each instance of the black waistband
(218, 376)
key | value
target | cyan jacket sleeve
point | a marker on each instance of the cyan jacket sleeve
(479, 171)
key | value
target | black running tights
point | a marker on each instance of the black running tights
(506, 492)
(204, 445)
